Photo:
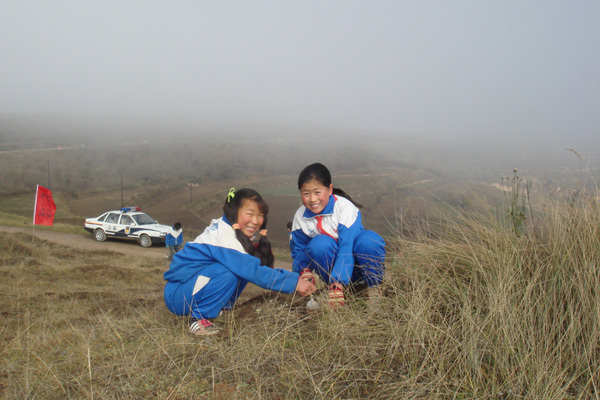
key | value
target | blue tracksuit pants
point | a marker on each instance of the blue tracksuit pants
(368, 252)
(221, 291)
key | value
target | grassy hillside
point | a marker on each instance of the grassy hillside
(491, 291)
(472, 309)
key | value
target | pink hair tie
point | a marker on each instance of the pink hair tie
(263, 232)
(235, 226)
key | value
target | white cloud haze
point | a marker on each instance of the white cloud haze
(430, 68)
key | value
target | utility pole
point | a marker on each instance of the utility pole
(49, 175)
(122, 190)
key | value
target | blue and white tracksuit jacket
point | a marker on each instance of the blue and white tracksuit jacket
(211, 272)
(174, 237)
(333, 242)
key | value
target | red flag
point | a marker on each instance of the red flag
(44, 207)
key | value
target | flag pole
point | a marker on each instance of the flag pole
(34, 208)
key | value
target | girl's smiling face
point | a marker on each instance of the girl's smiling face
(250, 217)
(315, 195)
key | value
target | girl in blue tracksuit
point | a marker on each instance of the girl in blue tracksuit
(328, 237)
(210, 273)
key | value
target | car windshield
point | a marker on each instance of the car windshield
(143, 219)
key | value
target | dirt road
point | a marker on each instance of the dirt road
(89, 243)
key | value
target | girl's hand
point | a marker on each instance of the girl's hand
(305, 288)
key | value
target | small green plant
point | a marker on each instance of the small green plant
(515, 199)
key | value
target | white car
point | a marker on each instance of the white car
(128, 223)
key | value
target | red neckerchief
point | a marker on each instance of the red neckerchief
(319, 219)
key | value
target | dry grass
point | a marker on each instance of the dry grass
(470, 311)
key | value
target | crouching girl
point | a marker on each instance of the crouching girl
(210, 273)
(328, 238)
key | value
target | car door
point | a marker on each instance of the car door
(127, 224)
(111, 224)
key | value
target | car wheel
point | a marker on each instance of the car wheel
(145, 241)
(100, 235)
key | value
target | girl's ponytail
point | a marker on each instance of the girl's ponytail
(264, 251)
(340, 192)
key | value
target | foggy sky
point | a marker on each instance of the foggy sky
(431, 68)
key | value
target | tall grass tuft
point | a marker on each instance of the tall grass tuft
(470, 310)
(512, 315)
